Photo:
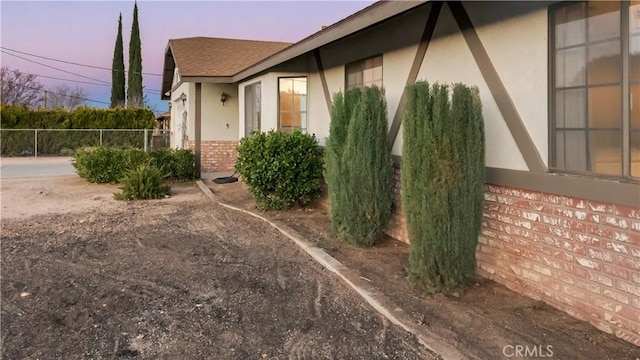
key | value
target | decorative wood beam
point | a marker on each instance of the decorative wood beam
(323, 79)
(427, 34)
(498, 91)
(198, 129)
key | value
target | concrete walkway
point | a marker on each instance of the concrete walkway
(31, 167)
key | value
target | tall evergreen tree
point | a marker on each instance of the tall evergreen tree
(342, 108)
(117, 71)
(442, 183)
(366, 165)
(135, 97)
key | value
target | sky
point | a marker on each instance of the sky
(84, 32)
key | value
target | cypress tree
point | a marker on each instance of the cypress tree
(342, 108)
(365, 194)
(117, 71)
(134, 87)
(442, 183)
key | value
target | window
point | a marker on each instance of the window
(252, 108)
(595, 88)
(364, 73)
(293, 104)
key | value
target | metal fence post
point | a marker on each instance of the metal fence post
(100, 137)
(35, 143)
(146, 139)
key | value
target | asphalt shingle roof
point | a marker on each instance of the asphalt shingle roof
(205, 56)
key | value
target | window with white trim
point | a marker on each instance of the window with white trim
(292, 104)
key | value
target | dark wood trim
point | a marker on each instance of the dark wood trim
(378, 12)
(207, 79)
(580, 187)
(323, 79)
(198, 130)
(427, 34)
(498, 91)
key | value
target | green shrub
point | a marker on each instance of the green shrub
(100, 164)
(364, 188)
(442, 183)
(177, 164)
(280, 168)
(141, 183)
(342, 109)
(110, 164)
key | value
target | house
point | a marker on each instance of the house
(197, 81)
(560, 88)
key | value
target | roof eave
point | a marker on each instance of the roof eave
(361, 20)
(167, 73)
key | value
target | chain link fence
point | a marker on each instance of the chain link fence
(39, 142)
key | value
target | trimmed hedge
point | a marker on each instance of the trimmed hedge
(18, 117)
(110, 165)
(20, 143)
(280, 169)
(442, 183)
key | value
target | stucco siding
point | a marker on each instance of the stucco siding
(269, 101)
(395, 70)
(449, 60)
(177, 115)
(219, 122)
(518, 48)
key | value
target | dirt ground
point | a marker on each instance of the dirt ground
(480, 323)
(84, 276)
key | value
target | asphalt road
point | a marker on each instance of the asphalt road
(31, 167)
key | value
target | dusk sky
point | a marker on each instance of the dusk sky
(85, 31)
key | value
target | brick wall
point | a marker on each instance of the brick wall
(582, 257)
(216, 155)
(397, 227)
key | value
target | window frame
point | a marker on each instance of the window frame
(302, 129)
(362, 60)
(252, 86)
(625, 129)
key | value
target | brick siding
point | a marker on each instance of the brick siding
(580, 256)
(216, 155)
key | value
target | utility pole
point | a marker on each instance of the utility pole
(46, 96)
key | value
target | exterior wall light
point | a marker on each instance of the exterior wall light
(223, 98)
(183, 97)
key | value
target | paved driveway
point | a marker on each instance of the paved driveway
(30, 167)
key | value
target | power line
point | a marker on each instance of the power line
(104, 83)
(55, 68)
(65, 95)
(79, 81)
(71, 62)
(69, 80)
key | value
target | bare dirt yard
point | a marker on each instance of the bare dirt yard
(487, 321)
(84, 276)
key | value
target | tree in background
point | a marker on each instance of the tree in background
(442, 183)
(117, 71)
(366, 165)
(19, 89)
(64, 97)
(135, 97)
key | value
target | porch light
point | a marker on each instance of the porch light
(183, 97)
(223, 98)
